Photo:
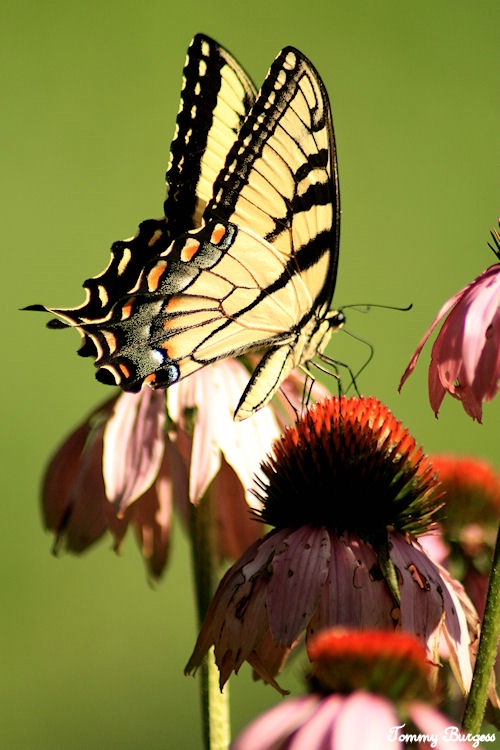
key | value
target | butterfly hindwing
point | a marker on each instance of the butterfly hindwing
(215, 98)
(259, 274)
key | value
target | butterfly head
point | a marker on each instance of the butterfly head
(336, 320)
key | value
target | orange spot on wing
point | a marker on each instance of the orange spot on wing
(218, 234)
(127, 309)
(190, 249)
(154, 276)
(150, 379)
(124, 370)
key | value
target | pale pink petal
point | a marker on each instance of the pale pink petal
(365, 721)
(270, 730)
(299, 569)
(431, 722)
(447, 349)
(190, 405)
(133, 446)
(317, 732)
(244, 444)
(210, 396)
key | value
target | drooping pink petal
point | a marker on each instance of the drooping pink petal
(244, 444)
(431, 607)
(271, 730)
(133, 446)
(299, 570)
(223, 622)
(244, 626)
(365, 721)
(74, 503)
(191, 404)
(441, 313)
(482, 305)
(351, 596)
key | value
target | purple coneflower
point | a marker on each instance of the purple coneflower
(465, 357)
(368, 689)
(347, 491)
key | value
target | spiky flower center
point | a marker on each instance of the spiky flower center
(349, 465)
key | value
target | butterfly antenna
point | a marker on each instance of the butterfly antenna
(366, 307)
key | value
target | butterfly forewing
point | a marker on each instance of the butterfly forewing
(215, 98)
(280, 177)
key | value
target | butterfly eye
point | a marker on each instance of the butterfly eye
(336, 319)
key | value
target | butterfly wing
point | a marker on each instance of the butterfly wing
(216, 95)
(260, 273)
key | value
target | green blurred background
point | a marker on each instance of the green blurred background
(92, 656)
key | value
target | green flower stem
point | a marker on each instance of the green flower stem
(488, 644)
(206, 564)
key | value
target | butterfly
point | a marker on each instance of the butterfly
(216, 96)
(259, 273)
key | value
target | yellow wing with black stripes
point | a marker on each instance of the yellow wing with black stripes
(259, 274)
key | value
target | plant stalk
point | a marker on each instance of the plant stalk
(487, 651)
(206, 564)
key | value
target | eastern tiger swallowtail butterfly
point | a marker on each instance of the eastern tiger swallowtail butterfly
(259, 273)
(216, 96)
